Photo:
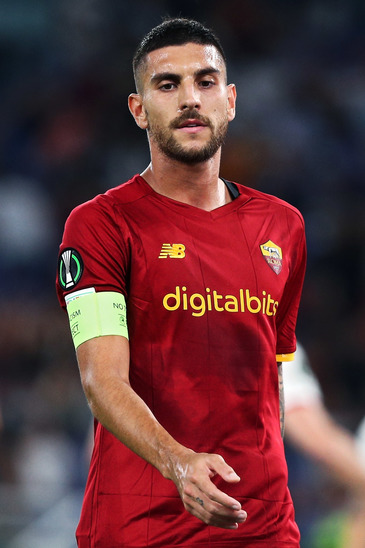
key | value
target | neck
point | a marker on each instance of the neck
(198, 185)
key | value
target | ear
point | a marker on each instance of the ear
(137, 110)
(231, 104)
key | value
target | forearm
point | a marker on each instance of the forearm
(343, 460)
(104, 369)
(121, 411)
(312, 430)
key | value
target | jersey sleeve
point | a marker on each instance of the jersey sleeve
(288, 309)
(93, 252)
(301, 387)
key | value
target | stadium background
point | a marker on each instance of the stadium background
(66, 134)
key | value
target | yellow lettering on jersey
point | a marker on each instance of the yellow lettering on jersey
(199, 304)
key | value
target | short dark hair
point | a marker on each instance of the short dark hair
(174, 32)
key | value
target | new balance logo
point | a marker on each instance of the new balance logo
(174, 251)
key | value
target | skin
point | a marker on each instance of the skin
(162, 100)
(104, 368)
(312, 430)
(175, 80)
(281, 399)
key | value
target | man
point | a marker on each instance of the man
(182, 291)
(312, 430)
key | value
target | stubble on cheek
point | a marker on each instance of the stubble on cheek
(169, 145)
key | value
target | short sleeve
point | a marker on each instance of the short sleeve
(301, 387)
(93, 252)
(286, 318)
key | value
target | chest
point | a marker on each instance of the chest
(226, 263)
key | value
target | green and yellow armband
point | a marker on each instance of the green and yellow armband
(94, 314)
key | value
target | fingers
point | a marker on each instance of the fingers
(203, 499)
(217, 465)
(213, 513)
(210, 492)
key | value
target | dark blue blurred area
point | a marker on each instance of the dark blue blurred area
(66, 134)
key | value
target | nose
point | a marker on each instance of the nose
(189, 97)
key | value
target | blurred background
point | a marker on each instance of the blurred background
(66, 134)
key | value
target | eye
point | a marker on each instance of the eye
(167, 86)
(206, 83)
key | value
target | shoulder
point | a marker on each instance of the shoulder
(105, 205)
(268, 200)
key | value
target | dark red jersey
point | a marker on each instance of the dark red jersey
(212, 300)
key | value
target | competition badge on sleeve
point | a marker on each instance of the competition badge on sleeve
(70, 269)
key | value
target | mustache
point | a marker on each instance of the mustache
(189, 115)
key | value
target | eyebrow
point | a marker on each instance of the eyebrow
(159, 76)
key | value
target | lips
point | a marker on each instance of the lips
(192, 123)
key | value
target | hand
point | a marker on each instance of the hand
(192, 477)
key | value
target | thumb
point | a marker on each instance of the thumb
(225, 471)
(230, 476)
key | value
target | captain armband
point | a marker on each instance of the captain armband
(94, 314)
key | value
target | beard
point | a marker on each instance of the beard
(168, 145)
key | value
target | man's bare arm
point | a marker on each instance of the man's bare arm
(281, 399)
(312, 429)
(104, 369)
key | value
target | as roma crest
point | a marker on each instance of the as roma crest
(272, 255)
